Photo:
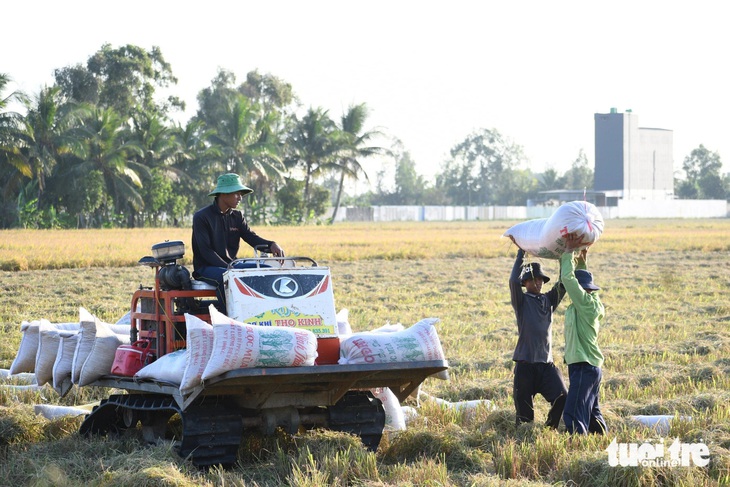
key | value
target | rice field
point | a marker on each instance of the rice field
(666, 340)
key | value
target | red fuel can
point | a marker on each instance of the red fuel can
(128, 359)
(328, 350)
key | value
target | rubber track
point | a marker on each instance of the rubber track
(359, 413)
(212, 429)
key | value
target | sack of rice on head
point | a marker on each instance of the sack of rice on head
(544, 237)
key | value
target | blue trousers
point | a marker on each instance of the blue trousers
(214, 276)
(582, 413)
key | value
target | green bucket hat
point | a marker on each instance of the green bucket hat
(229, 183)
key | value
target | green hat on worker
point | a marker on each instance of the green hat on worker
(230, 183)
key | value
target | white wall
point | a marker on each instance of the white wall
(625, 209)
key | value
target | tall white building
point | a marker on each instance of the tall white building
(632, 162)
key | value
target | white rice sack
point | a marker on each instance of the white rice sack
(50, 411)
(88, 328)
(25, 358)
(544, 237)
(662, 423)
(101, 356)
(64, 358)
(49, 338)
(417, 343)
(121, 328)
(389, 328)
(125, 320)
(199, 341)
(168, 368)
(85, 343)
(343, 322)
(394, 418)
(70, 326)
(22, 378)
(238, 345)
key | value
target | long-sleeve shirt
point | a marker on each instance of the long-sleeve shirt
(582, 317)
(217, 236)
(534, 313)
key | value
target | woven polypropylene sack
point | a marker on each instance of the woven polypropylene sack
(544, 237)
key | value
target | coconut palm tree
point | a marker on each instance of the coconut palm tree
(46, 135)
(246, 140)
(13, 169)
(313, 145)
(354, 147)
(109, 150)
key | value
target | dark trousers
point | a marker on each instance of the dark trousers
(582, 413)
(538, 378)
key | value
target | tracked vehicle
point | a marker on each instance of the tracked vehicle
(218, 414)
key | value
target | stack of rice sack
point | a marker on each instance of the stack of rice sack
(416, 343)
(387, 344)
(543, 237)
(226, 345)
(63, 353)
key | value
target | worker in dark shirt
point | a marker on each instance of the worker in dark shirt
(535, 372)
(217, 233)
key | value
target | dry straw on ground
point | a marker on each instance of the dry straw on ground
(665, 337)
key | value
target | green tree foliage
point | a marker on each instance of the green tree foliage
(109, 149)
(124, 78)
(245, 125)
(312, 146)
(290, 209)
(100, 148)
(410, 187)
(270, 92)
(479, 168)
(550, 180)
(703, 179)
(580, 174)
(14, 169)
(355, 146)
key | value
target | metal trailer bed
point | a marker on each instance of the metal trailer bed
(217, 414)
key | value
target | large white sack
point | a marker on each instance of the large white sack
(64, 358)
(22, 378)
(395, 419)
(544, 237)
(25, 358)
(88, 328)
(101, 356)
(168, 368)
(199, 341)
(389, 328)
(121, 327)
(661, 423)
(51, 411)
(48, 340)
(343, 322)
(417, 343)
(238, 345)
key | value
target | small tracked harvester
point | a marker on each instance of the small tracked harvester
(218, 414)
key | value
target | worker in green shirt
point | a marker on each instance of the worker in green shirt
(583, 316)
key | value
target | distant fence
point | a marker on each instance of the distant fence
(625, 209)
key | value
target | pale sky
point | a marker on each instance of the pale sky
(430, 72)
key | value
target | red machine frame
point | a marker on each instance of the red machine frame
(146, 324)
